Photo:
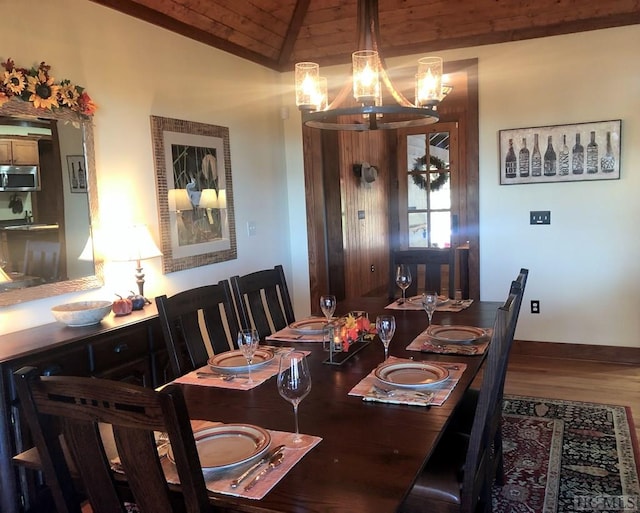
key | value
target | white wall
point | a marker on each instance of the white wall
(133, 70)
(584, 267)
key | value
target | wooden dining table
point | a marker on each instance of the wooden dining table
(370, 453)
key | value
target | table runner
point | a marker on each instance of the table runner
(240, 382)
(425, 344)
(449, 306)
(370, 388)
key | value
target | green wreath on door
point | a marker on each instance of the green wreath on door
(419, 165)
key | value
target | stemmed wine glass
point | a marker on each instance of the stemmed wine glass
(429, 303)
(386, 327)
(248, 343)
(403, 279)
(328, 306)
(294, 382)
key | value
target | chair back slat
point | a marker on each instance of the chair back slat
(427, 267)
(263, 301)
(180, 317)
(80, 406)
(42, 258)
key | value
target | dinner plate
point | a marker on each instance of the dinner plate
(226, 445)
(311, 326)
(411, 374)
(235, 361)
(442, 300)
(456, 334)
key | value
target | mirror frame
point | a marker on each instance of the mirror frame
(17, 107)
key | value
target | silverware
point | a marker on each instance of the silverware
(274, 461)
(223, 377)
(266, 458)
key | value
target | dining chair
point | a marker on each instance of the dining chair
(459, 474)
(428, 266)
(42, 259)
(262, 300)
(195, 318)
(79, 409)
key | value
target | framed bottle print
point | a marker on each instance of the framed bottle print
(560, 153)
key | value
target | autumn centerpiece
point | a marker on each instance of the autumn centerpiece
(355, 328)
(39, 87)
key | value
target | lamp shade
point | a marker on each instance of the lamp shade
(132, 243)
(4, 277)
(178, 200)
(210, 198)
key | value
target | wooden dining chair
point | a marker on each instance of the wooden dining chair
(262, 300)
(76, 408)
(427, 267)
(193, 318)
(42, 259)
(459, 474)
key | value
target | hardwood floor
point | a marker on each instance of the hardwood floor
(578, 380)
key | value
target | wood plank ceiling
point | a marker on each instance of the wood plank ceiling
(279, 33)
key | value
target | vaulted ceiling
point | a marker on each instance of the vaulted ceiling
(279, 33)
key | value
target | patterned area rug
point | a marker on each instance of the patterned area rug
(565, 456)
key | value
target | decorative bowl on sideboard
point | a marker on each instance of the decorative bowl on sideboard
(82, 313)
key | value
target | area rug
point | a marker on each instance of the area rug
(565, 456)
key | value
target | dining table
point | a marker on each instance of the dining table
(370, 453)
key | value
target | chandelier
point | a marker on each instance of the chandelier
(369, 74)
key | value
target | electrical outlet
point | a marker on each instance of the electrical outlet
(535, 306)
(251, 228)
(540, 217)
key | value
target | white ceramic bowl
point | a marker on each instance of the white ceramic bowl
(82, 313)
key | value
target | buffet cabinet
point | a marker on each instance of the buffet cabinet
(127, 349)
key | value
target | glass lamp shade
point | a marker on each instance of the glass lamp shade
(212, 199)
(307, 76)
(321, 98)
(178, 200)
(429, 81)
(366, 79)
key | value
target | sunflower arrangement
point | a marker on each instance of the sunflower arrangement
(36, 85)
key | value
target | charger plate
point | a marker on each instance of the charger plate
(411, 374)
(228, 445)
(456, 334)
(311, 326)
(235, 361)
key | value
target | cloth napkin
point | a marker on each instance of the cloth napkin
(241, 381)
(449, 306)
(426, 344)
(370, 388)
(219, 481)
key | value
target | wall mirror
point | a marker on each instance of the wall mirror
(67, 198)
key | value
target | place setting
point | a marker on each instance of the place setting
(452, 339)
(310, 329)
(245, 368)
(405, 381)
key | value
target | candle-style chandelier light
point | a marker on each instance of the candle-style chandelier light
(368, 76)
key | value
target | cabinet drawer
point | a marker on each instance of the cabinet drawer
(118, 349)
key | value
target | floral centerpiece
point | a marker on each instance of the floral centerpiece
(354, 329)
(37, 86)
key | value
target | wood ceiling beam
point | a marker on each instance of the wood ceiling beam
(299, 13)
(159, 19)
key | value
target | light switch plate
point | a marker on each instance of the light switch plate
(540, 217)
(251, 228)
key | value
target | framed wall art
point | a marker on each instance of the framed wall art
(195, 193)
(560, 153)
(77, 173)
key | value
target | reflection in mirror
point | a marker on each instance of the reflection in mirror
(48, 202)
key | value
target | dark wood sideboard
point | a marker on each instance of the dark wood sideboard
(129, 348)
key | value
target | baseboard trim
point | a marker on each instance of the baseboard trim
(613, 354)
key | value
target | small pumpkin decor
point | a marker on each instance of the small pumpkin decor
(122, 306)
(137, 301)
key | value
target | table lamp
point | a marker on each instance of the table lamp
(135, 244)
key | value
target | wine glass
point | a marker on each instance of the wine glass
(328, 306)
(386, 327)
(294, 382)
(403, 279)
(248, 343)
(429, 303)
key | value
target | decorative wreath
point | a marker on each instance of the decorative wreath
(421, 180)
